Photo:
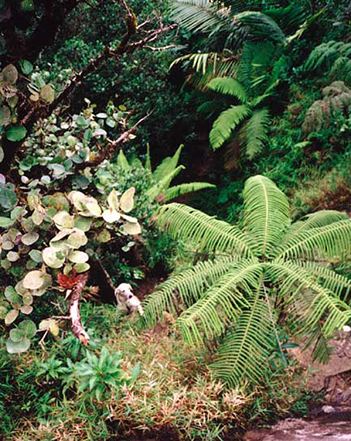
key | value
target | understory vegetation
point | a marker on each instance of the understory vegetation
(174, 213)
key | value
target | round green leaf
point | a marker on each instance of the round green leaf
(131, 228)
(16, 335)
(83, 223)
(104, 236)
(26, 67)
(47, 94)
(36, 256)
(27, 299)
(26, 309)
(11, 316)
(51, 258)
(28, 327)
(33, 280)
(81, 267)
(16, 133)
(5, 222)
(78, 257)
(10, 74)
(77, 239)
(29, 238)
(127, 200)
(17, 347)
(11, 295)
(12, 256)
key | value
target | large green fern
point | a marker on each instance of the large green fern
(266, 260)
(249, 115)
(333, 57)
(161, 178)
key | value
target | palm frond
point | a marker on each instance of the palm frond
(198, 15)
(244, 352)
(181, 189)
(330, 240)
(255, 132)
(206, 232)
(221, 304)
(228, 86)
(184, 288)
(206, 66)
(289, 18)
(261, 26)
(266, 213)
(226, 123)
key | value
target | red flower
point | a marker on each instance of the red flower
(69, 282)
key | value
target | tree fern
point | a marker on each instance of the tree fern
(330, 241)
(244, 351)
(266, 214)
(264, 261)
(333, 57)
(222, 304)
(186, 287)
(198, 15)
(255, 132)
(204, 231)
(228, 86)
(181, 189)
(226, 123)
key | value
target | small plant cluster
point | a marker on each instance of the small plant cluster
(54, 237)
(65, 148)
(13, 84)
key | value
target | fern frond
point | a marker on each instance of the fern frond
(314, 220)
(324, 307)
(243, 354)
(255, 132)
(266, 213)
(328, 278)
(221, 304)
(325, 54)
(179, 190)
(206, 232)
(168, 165)
(148, 166)
(122, 161)
(184, 288)
(331, 240)
(163, 184)
(198, 15)
(227, 121)
(228, 86)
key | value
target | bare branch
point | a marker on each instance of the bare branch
(74, 297)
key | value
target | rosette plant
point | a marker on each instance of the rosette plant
(263, 275)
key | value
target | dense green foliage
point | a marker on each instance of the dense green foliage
(266, 262)
(257, 262)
